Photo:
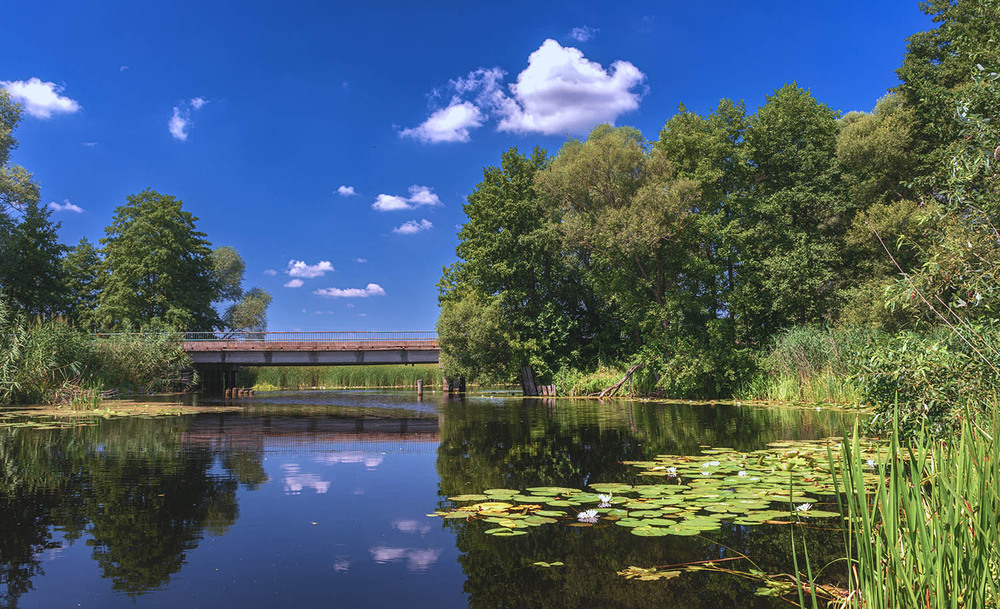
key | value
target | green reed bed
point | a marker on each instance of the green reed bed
(342, 377)
(928, 534)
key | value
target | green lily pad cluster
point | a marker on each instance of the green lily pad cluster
(688, 495)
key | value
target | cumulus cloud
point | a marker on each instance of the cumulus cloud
(40, 99)
(372, 289)
(361, 260)
(270, 272)
(412, 227)
(559, 92)
(583, 33)
(294, 283)
(449, 124)
(411, 526)
(181, 122)
(65, 206)
(299, 268)
(419, 195)
(346, 191)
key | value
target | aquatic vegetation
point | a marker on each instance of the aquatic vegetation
(782, 484)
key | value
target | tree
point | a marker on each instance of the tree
(249, 314)
(157, 268)
(792, 214)
(248, 311)
(81, 267)
(32, 277)
(17, 188)
(513, 276)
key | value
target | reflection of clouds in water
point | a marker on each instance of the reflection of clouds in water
(370, 460)
(295, 480)
(416, 559)
(358, 491)
(341, 564)
(411, 526)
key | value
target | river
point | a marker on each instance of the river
(321, 499)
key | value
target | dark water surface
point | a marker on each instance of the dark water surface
(320, 499)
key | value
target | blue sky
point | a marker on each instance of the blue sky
(256, 114)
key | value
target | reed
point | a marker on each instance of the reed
(928, 535)
(342, 377)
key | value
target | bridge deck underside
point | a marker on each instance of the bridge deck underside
(288, 355)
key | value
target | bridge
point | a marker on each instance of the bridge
(311, 348)
(218, 355)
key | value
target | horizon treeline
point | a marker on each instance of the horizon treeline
(691, 254)
(152, 270)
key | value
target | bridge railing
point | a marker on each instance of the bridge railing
(343, 339)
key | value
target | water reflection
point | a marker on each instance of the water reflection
(339, 484)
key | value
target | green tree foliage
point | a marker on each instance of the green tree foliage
(248, 309)
(249, 314)
(32, 275)
(81, 269)
(157, 267)
(793, 210)
(513, 292)
(17, 188)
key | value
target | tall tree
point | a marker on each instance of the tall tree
(81, 267)
(247, 311)
(33, 275)
(157, 267)
(792, 213)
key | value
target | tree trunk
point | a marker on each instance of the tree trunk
(528, 386)
(610, 391)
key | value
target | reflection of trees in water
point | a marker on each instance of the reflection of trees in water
(566, 444)
(142, 498)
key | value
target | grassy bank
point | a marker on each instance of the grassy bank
(51, 362)
(340, 377)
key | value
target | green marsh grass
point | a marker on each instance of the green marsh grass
(928, 535)
(343, 377)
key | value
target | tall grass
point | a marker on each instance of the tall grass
(928, 536)
(341, 377)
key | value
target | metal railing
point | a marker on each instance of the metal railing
(312, 340)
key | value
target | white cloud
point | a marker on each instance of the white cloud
(559, 92)
(181, 121)
(346, 191)
(419, 195)
(270, 272)
(122, 68)
(299, 268)
(361, 260)
(412, 227)
(40, 99)
(372, 289)
(411, 526)
(65, 206)
(583, 33)
(294, 283)
(416, 559)
(449, 124)
(90, 144)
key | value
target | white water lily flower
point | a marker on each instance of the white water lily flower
(671, 471)
(805, 507)
(605, 500)
(742, 473)
(587, 516)
(706, 473)
(870, 463)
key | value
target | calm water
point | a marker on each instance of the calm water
(319, 499)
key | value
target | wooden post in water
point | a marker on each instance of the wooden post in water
(420, 387)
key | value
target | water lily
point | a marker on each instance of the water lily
(706, 473)
(742, 473)
(870, 463)
(589, 516)
(605, 501)
(710, 464)
(804, 507)
(671, 472)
